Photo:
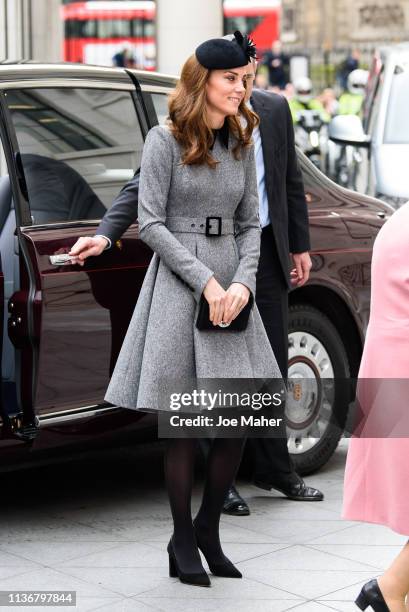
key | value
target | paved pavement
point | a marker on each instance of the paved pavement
(100, 525)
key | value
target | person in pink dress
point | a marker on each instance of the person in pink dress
(377, 468)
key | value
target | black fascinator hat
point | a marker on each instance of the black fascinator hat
(221, 53)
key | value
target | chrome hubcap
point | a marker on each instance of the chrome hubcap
(310, 391)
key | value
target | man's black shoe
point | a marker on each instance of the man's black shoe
(294, 489)
(235, 504)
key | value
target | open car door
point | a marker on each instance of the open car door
(4, 192)
(73, 143)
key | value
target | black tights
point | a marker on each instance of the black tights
(222, 463)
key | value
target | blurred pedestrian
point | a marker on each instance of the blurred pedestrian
(261, 80)
(304, 100)
(277, 64)
(377, 467)
(350, 63)
(288, 92)
(329, 101)
(124, 58)
(350, 102)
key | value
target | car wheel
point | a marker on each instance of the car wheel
(318, 388)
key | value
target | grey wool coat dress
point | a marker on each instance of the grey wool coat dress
(162, 341)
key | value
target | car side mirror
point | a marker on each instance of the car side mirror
(348, 130)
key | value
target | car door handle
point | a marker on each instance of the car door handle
(61, 259)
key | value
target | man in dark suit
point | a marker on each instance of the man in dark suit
(285, 244)
(284, 262)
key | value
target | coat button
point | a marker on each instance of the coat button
(202, 225)
(192, 225)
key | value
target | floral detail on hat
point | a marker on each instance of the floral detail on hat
(247, 44)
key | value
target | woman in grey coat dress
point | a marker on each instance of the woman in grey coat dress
(198, 211)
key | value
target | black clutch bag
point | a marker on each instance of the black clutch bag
(238, 324)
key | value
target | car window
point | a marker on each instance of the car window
(397, 123)
(5, 191)
(373, 95)
(10, 268)
(3, 167)
(78, 148)
(373, 80)
(160, 103)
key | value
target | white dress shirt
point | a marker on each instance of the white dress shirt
(261, 183)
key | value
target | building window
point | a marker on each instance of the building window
(288, 24)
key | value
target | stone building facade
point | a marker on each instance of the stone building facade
(344, 23)
(30, 29)
(326, 30)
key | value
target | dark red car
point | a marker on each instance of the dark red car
(71, 137)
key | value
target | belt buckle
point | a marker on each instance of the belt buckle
(208, 226)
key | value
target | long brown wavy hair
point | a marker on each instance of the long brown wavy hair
(188, 118)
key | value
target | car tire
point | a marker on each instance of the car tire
(317, 353)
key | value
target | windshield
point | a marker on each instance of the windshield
(397, 119)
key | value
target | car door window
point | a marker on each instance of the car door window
(78, 148)
(9, 265)
(397, 124)
(160, 103)
(374, 96)
(5, 191)
(3, 167)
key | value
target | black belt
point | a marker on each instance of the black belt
(210, 226)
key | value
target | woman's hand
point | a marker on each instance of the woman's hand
(215, 295)
(85, 247)
(237, 296)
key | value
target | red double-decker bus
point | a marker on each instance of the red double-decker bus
(258, 18)
(94, 32)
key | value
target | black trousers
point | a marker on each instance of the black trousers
(270, 455)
